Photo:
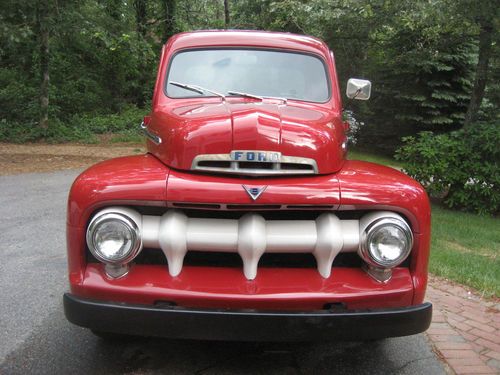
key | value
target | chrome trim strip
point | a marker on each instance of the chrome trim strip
(247, 207)
(152, 137)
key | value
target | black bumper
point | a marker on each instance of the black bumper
(246, 325)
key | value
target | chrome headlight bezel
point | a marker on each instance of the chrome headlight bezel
(130, 225)
(368, 234)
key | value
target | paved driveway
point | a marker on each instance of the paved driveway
(36, 338)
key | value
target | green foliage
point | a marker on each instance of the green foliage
(57, 132)
(462, 167)
(420, 56)
(128, 119)
(99, 65)
(17, 97)
(80, 128)
(426, 86)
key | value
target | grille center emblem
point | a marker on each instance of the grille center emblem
(254, 192)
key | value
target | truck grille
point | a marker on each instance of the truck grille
(250, 236)
(216, 236)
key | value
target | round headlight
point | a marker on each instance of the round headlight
(386, 242)
(113, 238)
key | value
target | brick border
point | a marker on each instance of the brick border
(465, 329)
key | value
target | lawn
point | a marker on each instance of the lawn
(464, 248)
(360, 155)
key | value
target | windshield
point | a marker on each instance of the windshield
(256, 72)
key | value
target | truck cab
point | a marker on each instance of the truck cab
(245, 220)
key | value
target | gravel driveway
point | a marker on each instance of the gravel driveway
(36, 338)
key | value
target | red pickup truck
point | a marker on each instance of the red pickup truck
(245, 220)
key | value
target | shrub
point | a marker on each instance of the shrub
(461, 167)
(80, 128)
(13, 131)
(123, 122)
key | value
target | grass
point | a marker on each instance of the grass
(367, 156)
(130, 137)
(465, 247)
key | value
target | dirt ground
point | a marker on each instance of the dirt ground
(39, 157)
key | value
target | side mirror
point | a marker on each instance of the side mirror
(359, 89)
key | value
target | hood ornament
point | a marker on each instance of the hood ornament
(254, 192)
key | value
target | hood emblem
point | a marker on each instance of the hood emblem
(254, 192)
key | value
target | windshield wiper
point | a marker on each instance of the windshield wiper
(198, 89)
(237, 93)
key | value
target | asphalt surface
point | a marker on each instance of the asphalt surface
(37, 339)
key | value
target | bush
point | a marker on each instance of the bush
(18, 97)
(80, 128)
(127, 120)
(461, 167)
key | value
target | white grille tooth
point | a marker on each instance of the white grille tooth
(329, 242)
(172, 239)
(150, 231)
(251, 242)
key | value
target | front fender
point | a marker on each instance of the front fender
(365, 185)
(123, 180)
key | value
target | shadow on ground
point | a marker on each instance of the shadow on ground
(58, 347)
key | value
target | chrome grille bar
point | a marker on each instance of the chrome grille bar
(223, 163)
(251, 236)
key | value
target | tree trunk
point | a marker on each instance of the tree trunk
(169, 15)
(43, 35)
(114, 74)
(140, 17)
(226, 13)
(485, 34)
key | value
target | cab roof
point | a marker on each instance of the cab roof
(247, 38)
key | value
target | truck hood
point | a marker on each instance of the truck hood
(194, 128)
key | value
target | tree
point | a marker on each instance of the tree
(141, 18)
(114, 74)
(43, 37)
(226, 14)
(169, 16)
(484, 14)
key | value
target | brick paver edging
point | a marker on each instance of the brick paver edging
(465, 329)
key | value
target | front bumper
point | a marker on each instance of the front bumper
(246, 325)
